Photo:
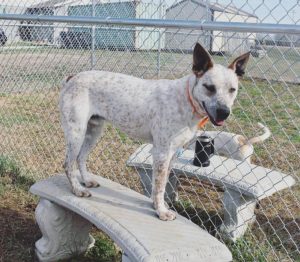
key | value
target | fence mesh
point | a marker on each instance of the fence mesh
(36, 56)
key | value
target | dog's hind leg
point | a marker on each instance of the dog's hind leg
(75, 138)
(74, 123)
(94, 130)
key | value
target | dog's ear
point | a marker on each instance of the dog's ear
(239, 64)
(201, 60)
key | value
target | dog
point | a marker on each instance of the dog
(232, 145)
(162, 112)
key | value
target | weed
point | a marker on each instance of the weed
(8, 166)
(246, 249)
(104, 250)
(11, 172)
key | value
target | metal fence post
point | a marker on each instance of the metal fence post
(158, 53)
(93, 59)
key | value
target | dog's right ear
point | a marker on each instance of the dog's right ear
(201, 60)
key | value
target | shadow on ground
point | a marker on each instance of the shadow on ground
(18, 233)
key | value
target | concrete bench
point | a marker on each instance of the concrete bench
(243, 184)
(126, 216)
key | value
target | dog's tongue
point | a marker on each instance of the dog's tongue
(220, 122)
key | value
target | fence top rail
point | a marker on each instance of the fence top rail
(162, 23)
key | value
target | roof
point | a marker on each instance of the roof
(230, 9)
(60, 3)
(215, 7)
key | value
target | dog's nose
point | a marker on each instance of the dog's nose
(223, 112)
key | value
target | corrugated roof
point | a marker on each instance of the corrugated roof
(215, 7)
(59, 3)
(229, 9)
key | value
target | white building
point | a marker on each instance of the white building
(215, 41)
(110, 37)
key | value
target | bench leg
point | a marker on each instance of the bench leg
(125, 258)
(238, 214)
(65, 234)
(171, 194)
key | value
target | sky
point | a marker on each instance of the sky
(268, 11)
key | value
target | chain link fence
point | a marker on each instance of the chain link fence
(36, 55)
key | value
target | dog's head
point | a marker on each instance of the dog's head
(216, 86)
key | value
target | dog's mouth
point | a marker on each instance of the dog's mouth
(214, 121)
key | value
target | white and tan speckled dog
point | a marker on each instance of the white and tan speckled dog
(162, 112)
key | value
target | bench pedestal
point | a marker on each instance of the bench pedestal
(238, 208)
(238, 214)
(65, 233)
(171, 194)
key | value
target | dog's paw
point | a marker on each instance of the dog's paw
(166, 215)
(91, 183)
(81, 192)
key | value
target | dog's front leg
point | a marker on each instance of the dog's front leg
(161, 163)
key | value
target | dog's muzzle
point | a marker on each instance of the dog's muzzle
(218, 115)
(223, 113)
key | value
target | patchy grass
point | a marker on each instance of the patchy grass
(246, 249)
(10, 174)
(104, 250)
(18, 231)
(26, 69)
(32, 147)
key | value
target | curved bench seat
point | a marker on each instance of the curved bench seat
(126, 216)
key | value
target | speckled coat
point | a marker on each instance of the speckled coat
(156, 111)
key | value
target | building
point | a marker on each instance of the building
(11, 31)
(215, 41)
(287, 40)
(47, 32)
(134, 38)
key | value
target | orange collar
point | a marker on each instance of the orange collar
(204, 120)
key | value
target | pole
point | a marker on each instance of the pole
(93, 59)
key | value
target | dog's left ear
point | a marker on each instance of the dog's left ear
(239, 64)
(201, 60)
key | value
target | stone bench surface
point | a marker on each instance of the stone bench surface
(129, 219)
(252, 180)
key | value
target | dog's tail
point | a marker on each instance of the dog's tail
(66, 80)
(261, 138)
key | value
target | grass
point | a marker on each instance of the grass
(246, 249)
(45, 67)
(37, 145)
(18, 231)
(10, 171)
(104, 250)
(32, 148)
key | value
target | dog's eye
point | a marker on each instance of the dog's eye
(232, 90)
(210, 88)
